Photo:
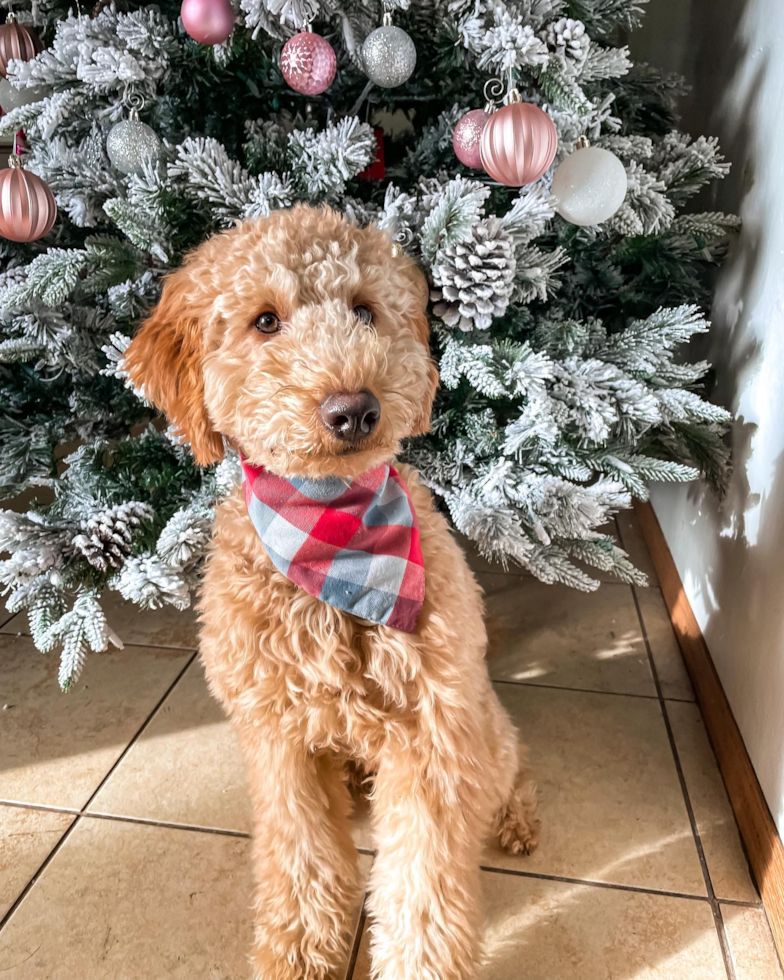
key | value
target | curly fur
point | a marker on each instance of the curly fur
(310, 688)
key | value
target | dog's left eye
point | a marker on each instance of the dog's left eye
(364, 314)
(267, 323)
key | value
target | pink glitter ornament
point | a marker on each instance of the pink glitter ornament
(308, 63)
(518, 143)
(208, 21)
(467, 136)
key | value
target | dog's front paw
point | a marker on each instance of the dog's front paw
(518, 826)
(518, 836)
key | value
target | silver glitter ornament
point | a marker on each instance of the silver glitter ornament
(131, 142)
(389, 55)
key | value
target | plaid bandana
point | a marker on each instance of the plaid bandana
(354, 546)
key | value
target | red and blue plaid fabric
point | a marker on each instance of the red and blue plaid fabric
(354, 545)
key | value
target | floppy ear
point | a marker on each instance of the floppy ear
(166, 357)
(422, 330)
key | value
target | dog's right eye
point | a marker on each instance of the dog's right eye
(267, 323)
(364, 314)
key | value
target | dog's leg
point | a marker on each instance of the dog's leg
(516, 822)
(430, 816)
(304, 860)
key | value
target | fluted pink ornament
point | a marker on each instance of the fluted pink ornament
(208, 21)
(17, 41)
(518, 143)
(27, 206)
(308, 63)
(467, 136)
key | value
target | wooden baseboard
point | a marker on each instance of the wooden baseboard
(763, 844)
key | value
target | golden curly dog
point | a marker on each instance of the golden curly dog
(252, 335)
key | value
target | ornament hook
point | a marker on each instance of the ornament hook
(403, 238)
(493, 90)
(134, 101)
(15, 160)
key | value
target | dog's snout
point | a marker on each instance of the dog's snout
(350, 415)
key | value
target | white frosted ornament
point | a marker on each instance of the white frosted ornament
(589, 185)
(389, 55)
(131, 142)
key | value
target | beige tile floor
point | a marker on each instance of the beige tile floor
(124, 817)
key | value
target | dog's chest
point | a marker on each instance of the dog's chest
(276, 654)
(353, 719)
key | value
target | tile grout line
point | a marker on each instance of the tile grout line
(46, 807)
(593, 883)
(126, 643)
(167, 825)
(739, 903)
(612, 886)
(123, 818)
(78, 816)
(138, 734)
(5, 622)
(37, 874)
(160, 646)
(718, 922)
(492, 570)
(355, 947)
(587, 690)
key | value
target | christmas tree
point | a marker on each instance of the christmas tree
(561, 347)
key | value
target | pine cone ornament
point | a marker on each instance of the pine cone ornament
(568, 41)
(475, 279)
(106, 539)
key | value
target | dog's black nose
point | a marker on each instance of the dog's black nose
(350, 415)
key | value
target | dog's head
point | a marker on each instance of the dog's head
(299, 337)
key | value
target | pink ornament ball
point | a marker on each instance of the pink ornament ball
(17, 41)
(518, 144)
(208, 21)
(27, 206)
(467, 137)
(308, 63)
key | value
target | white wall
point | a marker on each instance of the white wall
(731, 555)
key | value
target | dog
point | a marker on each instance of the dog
(256, 338)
